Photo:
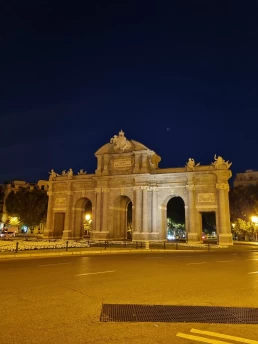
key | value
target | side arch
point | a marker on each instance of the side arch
(82, 207)
(120, 217)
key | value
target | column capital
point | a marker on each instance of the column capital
(190, 187)
(145, 187)
(105, 190)
(98, 189)
(136, 188)
(222, 186)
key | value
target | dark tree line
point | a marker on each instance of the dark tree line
(30, 206)
(243, 201)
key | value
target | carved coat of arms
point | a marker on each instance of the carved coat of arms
(120, 142)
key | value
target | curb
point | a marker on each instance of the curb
(83, 253)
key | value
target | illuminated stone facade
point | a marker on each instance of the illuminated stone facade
(127, 171)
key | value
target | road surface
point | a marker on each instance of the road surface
(58, 300)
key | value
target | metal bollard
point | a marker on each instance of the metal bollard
(17, 247)
(66, 245)
(105, 244)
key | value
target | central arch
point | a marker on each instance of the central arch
(82, 213)
(174, 224)
(122, 218)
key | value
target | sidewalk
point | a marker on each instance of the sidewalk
(255, 243)
(40, 253)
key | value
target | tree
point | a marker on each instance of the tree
(243, 202)
(30, 206)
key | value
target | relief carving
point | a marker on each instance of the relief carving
(191, 164)
(206, 197)
(60, 202)
(120, 142)
(220, 162)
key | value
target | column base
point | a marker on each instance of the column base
(97, 235)
(225, 239)
(193, 238)
(67, 235)
(141, 236)
(48, 234)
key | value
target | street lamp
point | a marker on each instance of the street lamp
(87, 217)
(255, 221)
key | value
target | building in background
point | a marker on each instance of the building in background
(249, 177)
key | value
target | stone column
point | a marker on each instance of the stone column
(98, 210)
(138, 208)
(144, 209)
(48, 232)
(154, 209)
(105, 192)
(224, 230)
(191, 231)
(67, 233)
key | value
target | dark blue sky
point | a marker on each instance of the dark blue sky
(74, 73)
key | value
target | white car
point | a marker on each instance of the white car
(7, 234)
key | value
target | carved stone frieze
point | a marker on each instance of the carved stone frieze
(206, 197)
(60, 202)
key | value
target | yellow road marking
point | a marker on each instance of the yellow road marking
(201, 339)
(225, 336)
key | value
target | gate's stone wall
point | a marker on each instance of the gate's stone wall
(128, 168)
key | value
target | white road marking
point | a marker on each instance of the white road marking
(225, 336)
(201, 339)
(255, 272)
(55, 264)
(95, 273)
(196, 263)
(251, 259)
(224, 261)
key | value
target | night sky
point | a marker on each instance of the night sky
(74, 73)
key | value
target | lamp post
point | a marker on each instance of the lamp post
(233, 229)
(255, 222)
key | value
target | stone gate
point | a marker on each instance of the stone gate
(127, 171)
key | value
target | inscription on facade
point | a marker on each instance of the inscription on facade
(60, 202)
(206, 197)
(122, 163)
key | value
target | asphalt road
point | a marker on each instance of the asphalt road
(58, 300)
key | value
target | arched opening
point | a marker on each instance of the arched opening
(122, 218)
(176, 219)
(82, 218)
(208, 226)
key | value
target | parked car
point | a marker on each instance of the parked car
(7, 234)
